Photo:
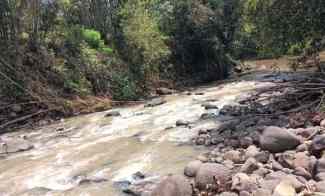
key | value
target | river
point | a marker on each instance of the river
(94, 152)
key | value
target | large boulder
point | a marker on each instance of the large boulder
(192, 168)
(209, 172)
(173, 185)
(275, 139)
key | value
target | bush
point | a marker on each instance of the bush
(92, 37)
(295, 49)
(123, 87)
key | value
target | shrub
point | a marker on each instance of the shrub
(123, 87)
(92, 37)
(295, 49)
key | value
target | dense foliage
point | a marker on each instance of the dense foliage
(124, 48)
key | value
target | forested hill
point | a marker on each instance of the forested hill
(55, 51)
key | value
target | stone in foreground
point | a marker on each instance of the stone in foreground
(275, 139)
(173, 185)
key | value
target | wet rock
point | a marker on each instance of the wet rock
(173, 186)
(242, 182)
(182, 123)
(155, 102)
(192, 168)
(113, 114)
(210, 106)
(234, 156)
(275, 139)
(82, 180)
(206, 116)
(60, 129)
(203, 132)
(208, 172)
(142, 187)
(138, 176)
(284, 189)
(249, 166)
(164, 91)
(200, 141)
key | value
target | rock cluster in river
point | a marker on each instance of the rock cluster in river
(256, 156)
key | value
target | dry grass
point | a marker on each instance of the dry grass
(282, 63)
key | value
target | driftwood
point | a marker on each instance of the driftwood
(5, 125)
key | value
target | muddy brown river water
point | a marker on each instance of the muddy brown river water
(106, 150)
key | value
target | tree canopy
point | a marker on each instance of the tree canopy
(123, 48)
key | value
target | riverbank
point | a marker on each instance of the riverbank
(97, 153)
(262, 147)
(131, 149)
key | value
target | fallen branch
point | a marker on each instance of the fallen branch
(21, 119)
